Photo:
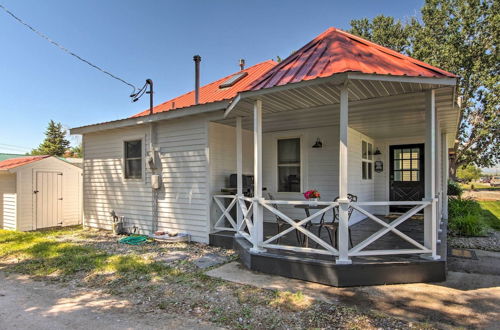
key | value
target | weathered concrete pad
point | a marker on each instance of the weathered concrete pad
(209, 260)
(469, 300)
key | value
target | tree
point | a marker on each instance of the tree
(55, 143)
(77, 151)
(469, 173)
(459, 36)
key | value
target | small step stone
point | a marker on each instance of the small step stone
(173, 256)
(209, 260)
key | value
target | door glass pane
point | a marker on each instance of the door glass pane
(289, 151)
(289, 178)
(406, 164)
(397, 153)
(415, 163)
(397, 176)
(406, 176)
(397, 164)
(364, 150)
(406, 154)
(415, 153)
(415, 175)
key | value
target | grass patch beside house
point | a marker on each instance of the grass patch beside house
(93, 259)
(491, 213)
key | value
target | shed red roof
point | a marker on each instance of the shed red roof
(15, 162)
(336, 51)
(212, 92)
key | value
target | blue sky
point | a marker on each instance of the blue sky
(144, 39)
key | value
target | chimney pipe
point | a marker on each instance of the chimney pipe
(242, 64)
(197, 60)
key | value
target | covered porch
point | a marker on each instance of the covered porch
(383, 139)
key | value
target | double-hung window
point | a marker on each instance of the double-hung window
(366, 160)
(289, 165)
(133, 159)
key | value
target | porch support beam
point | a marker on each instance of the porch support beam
(239, 171)
(430, 218)
(445, 170)
(343, 232)
(258, 209)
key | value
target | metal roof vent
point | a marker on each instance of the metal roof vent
(233, 79)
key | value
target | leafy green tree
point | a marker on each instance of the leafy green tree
(460, 36)
(469, 173)
(55, 143)
(77, 151)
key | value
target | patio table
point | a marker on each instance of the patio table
(307, 209)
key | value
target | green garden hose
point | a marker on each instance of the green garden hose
(133, 240)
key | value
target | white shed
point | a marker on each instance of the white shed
(39, 192)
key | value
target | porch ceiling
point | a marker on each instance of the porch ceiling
(380, 109)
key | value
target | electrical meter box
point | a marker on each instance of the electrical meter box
(155, 181)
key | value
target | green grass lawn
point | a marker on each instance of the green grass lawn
(478, 185)
(491, 213)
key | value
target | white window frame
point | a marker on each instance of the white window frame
(367, 160)
(302, 162)
(143, 152)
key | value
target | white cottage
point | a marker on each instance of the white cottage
(39, 192)
(367, 127)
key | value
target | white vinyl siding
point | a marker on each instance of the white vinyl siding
(105, 188)
(7, 186)
(9, 211)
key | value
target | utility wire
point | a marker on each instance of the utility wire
(44, 36)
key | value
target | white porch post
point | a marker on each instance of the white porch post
(239, 172)
(430, 221)
(444, 173)
(258, 210)
(343, 232)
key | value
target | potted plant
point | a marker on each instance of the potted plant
(312, 195)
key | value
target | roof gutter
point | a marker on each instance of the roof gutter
(172, 114)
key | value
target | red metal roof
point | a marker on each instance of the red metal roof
(212, 93)
(336, 51)
(15, 162)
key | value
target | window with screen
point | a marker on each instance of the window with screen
(366, 160)
(289, 165)
(133, 159)
(407, 164)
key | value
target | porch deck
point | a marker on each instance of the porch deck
(364, 270)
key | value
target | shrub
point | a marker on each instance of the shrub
(465, 217)
(454, 189)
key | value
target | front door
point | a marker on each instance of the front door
(406, 174)
(48, 199)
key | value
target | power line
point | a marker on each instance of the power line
(44, 36)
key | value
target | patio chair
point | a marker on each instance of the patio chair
(282, 223)
(333, 225)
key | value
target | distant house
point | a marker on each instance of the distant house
(367, 127)
(4, 156)
(39, 192)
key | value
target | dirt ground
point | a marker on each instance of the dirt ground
(483, 195)
(28, 304)
(464, 300)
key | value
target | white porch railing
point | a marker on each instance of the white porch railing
(244, 225)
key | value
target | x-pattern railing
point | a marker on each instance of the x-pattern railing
(299, 226)
(220, 224)
(358, 249)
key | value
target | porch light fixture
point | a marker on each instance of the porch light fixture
(318, 144)
(377, 152)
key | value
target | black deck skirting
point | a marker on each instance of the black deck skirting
(324, 271)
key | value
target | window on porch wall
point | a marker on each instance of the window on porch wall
(289, 165)
(367, 160)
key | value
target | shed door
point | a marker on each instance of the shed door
(48, 199)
